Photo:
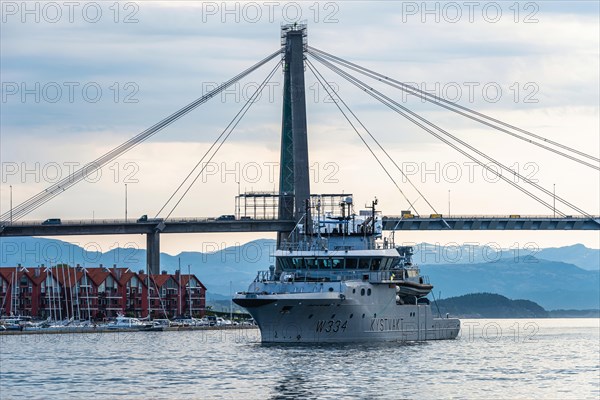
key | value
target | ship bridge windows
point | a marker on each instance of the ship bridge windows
(389, 263)
(375, 264)
(329, 263)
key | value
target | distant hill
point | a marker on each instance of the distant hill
(489, 305)
(552, 284)
(576, 254)
(432, 253)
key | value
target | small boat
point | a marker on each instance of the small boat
(15, 323)
(408, 288)
(123, 322)
(411, 283)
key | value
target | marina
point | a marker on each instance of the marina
(24, 325)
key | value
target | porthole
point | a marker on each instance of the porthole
(351, 315)
(362, 292)
(333, 316)
(368, 292)
(353, 290)
(310, 316)
(331, 289)
(363, 315)
(375, 315)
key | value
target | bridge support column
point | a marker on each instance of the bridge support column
(294, 184)
(153, 253)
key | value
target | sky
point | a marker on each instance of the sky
(79, 79)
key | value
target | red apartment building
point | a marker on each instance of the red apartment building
(63, 292)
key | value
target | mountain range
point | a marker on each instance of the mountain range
(556, 278)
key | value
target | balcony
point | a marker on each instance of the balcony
(111, 294)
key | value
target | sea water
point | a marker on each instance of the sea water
(491, 359)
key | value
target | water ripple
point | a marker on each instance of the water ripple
(560, 360)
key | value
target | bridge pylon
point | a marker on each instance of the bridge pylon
(294, 185)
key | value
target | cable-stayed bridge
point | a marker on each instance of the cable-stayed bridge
(292, 203)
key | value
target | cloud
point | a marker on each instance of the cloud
(148, 69)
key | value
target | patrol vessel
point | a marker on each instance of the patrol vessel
(340, 282)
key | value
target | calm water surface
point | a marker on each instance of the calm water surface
(544, 358)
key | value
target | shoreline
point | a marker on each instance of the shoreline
(109, 330)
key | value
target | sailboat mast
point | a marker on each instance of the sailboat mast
(149, 297)
(62, 270)
(48, 307)
(179, 283)
(87, 294)
(59, 295)
(190, 290)
(12, 291)
(77, 293)
(71, 293)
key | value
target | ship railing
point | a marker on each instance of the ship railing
(342, 275)
(262, 276)
(330, 276)
(322, 244)
(385, 276)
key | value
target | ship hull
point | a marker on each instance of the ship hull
(299, 318)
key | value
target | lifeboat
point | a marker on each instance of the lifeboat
(410, 288)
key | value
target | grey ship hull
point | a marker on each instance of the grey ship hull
(329, 317)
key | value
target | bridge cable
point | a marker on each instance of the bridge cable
(200, 161)
(449, 105)
(54, 190)
(231, 126)
(391, 103)
(394, 106)
(324, 85)
(375, 140)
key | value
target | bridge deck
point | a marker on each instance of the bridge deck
(494, 223)
(206, 225)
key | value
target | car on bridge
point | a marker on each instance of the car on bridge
(144, 218)
(52, 221)
(226, 218)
